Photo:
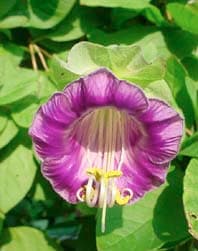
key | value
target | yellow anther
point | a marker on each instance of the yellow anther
(99, 173)
(112, 174)
(122, 200)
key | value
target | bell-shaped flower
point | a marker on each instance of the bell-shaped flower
(102, 141)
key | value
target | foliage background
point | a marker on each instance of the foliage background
(36, 59)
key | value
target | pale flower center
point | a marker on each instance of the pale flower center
(106, 130)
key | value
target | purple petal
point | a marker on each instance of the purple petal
(102, 88)
(164, 128)
(48, 129)
(65, 175)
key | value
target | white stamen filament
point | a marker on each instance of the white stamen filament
(107, 129)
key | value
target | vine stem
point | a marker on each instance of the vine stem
(33, 58)
(42, 58)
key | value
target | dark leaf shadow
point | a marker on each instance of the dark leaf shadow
(44, 10)
(180, 43)
(169, 220)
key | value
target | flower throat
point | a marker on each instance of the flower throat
(105, 132)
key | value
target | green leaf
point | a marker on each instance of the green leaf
(16, 17)
(12, 51)
(59, 73)
(15, 82)
(180, 42)
(190, 197)
(120, 15)
(151, 40)
(131, 4)
(8, 130)
(147, 224)
(27, 239)
(191, 65)
(23, 116)
(49, 13)
(85, 210)
(192, 87)
(34, 14)
(69, 29)
(154, 43)
(186, 16)
(125, 61)
(6, 6)
(175, 77)
(190, 146)
(23, 111)
(160, 89)
(17, 172)
(45, 87)
(154, 15)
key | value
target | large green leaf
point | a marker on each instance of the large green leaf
(154, 43)
(186, 16)
(175, 77)
(15, 82)
(151, 41)
(27, 239)
(132, 4)
(147, 224)
(190, 197)
(17, 171)
(8, 130)
(125, 61)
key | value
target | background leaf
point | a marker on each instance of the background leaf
(190, 197)
(185, 16)
(49, 13)
(148, 219)
(16, 176)
(133, 4)
(27, 239)
(7, 131)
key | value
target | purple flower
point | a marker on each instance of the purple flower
(103, 141)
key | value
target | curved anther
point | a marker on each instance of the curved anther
(81, 194)
(123, 199)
